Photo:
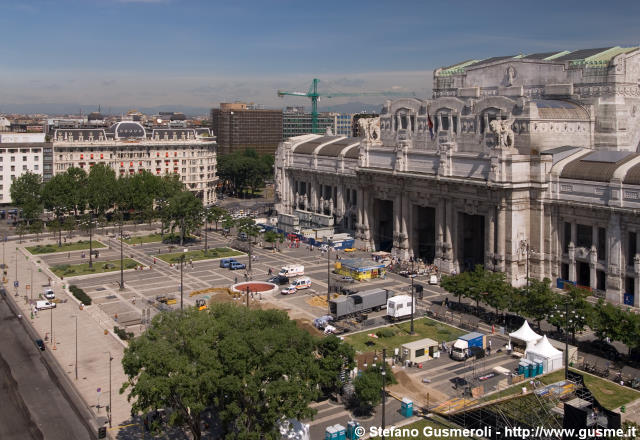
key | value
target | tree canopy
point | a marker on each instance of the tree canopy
(26, 193)
(244, 169)
(251, 367)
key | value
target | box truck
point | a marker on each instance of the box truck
(465, 346)
(399, 307)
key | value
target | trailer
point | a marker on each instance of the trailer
(359, 302)
(399, 307)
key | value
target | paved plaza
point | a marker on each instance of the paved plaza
(130, 307)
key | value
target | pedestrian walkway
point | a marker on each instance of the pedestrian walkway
(99, 354)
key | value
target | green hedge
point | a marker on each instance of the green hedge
(80, 294)
(122, 334)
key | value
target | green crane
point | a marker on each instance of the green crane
(314, 95)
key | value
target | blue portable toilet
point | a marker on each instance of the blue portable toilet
(330, 433)
(406, 407)
(341, 431)
(539, 366)
(526, 371)
(532, 369)
(522, 366)
(351, 430)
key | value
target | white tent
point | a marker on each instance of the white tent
(525, 335)
(551, 357)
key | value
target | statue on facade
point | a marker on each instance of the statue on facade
(503, 131)
(511, 75)
(370, 129)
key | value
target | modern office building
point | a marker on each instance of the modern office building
(296, 122)
(129, 148)
(527, 164)
(21, 153)
(238, 127)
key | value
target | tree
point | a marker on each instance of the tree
(57, 194)
(228, 222)
(499, 291)
(368, 386)
(172, 366)
(69, 225)
(56, 228)
(78, 192)
(215, 214)
(101, 188)
(184, 211)
(251, 367)
(36, 227)
(26, 194)
(540, 299)
(272, 237)
(336, 356)
(605, 321)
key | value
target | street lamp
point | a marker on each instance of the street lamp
(383, 372)
(90, 243)
(571, 320)
(412, 297)
(329, 245)
(524, 249)
(182, 257)
(110, 407)
(121, 259)
(76, 316)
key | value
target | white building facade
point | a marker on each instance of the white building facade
(524, 164)
(128, 148)
(20, 153)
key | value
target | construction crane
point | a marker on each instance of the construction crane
(314, 95)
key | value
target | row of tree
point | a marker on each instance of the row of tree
(75, 193)
(539, 302)
(250, 368)
(242, 170)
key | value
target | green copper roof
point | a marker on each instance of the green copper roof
(457, 68)
(557, 55)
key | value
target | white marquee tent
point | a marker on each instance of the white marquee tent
(524, 335)
(551, 357)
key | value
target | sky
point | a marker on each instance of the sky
(198, 53)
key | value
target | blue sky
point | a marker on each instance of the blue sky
(198, 53)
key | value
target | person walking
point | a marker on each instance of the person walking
(489, 347)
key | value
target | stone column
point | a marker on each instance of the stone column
(397, 213)
(636, 281)
(593, 260)
(439, 232)
(490, 221)
(366, 219)
(615, 271)
(405, 246)
(572, 263)
(502, 236)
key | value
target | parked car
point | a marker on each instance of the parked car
(289, 290)
(226, 262)
(235, 265)
(40, 344)
(347, 279)
(49, 294)
(279, 280)
(44, 305)
(433, 279)
(243, 236)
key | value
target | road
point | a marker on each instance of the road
(33, 406)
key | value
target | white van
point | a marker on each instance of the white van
(301, 283)
(292, 271)
(43, 305)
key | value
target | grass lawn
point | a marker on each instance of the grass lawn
(200, 255)
(152, 238)
(609, 394)
(66, 247)
(74, 270)
(421, 424)
(399, 334)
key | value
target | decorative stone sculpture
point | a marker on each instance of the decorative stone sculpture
(503, 131)
(370, 129)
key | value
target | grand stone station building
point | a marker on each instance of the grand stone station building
(533, 165)
(128, 148)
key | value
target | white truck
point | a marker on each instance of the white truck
(399, 307)
(43, 305)
(468, 345)
(292, 271)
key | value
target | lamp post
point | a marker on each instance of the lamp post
(76, 316)
(570, 322)
(329, 245)
(383, 372)
(182, 257)
(90, 242)
(524, 249)
(110, 407)
(412, 298)
(205, 231)
(121, 259)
